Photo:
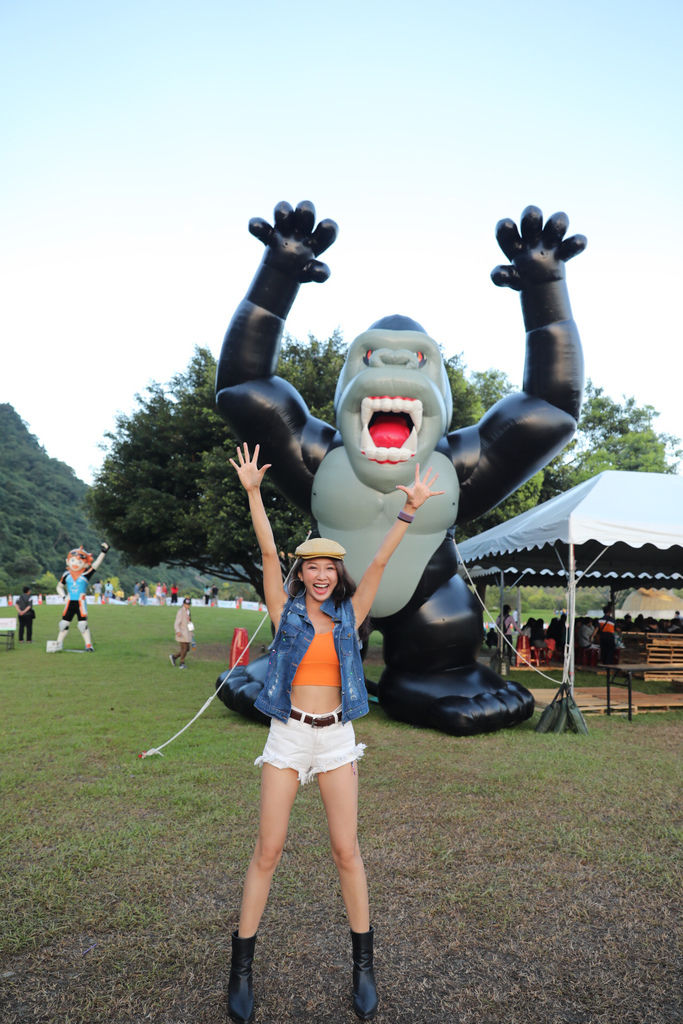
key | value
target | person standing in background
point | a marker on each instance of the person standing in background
(25, 615)
(605, 634)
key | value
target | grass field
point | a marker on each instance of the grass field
(515, 878)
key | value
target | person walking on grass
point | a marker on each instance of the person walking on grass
(314, 688)
(183, 627)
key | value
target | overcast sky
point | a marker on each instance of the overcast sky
(139, 138)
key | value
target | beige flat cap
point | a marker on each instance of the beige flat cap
(320, 547)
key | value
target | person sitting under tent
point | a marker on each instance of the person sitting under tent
(584, 632)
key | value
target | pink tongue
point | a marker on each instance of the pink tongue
(389, 431)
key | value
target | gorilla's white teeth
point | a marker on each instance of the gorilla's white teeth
(387, 403)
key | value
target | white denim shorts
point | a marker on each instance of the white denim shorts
(310, 749)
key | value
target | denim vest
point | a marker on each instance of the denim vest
(293, 639)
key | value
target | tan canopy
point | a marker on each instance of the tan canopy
(660, 604)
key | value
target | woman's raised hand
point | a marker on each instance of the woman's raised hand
(247, 469)
(421, 489)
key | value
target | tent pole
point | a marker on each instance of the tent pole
(501, 620)
(571, 615)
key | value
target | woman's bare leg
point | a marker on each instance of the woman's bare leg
(278, 791)
(339, 791)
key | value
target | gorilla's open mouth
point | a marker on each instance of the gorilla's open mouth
(389, 428)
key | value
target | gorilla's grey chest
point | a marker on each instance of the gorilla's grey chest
(358, 517)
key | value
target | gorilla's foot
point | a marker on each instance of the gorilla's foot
(462, 701)
(238, 688)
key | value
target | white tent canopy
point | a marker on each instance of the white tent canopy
(618, 526)
(632, 521)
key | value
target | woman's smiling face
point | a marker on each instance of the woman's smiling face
(319, 577)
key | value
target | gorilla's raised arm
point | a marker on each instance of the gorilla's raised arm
(259, 406)
(522, 432)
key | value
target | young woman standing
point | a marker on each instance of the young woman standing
(313, 690)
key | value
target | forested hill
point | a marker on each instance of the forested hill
(42, 515)
(41, 503)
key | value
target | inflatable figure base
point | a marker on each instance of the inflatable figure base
(239, 687)
(462, 701)
(54, 647)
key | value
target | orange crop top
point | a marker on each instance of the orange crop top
(320, 664)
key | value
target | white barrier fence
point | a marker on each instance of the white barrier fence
(197, 602)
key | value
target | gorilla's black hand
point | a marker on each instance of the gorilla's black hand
(539, 254)
(293, 241)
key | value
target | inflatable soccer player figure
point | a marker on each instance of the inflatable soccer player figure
(393, 410)
(73, 586)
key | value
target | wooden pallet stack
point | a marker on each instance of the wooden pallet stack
(664, 649)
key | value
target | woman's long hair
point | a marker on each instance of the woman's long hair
(344, 590)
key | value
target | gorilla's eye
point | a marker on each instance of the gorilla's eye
(421, 358)
(366, 357)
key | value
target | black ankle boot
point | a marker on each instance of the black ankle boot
(240, 990)
(364, 991)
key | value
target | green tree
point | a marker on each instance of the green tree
(301, 364)
(23, 568)
(477, 395)
(166, 490)
(611, 436)
(490, 385)
(467, 403)
(47, 583)
(525, 497)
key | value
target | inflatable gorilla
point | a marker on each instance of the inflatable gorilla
(393, 408)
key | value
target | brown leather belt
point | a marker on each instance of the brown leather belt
(317, 722)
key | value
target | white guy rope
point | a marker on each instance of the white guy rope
(157, 750)
(496, 627)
